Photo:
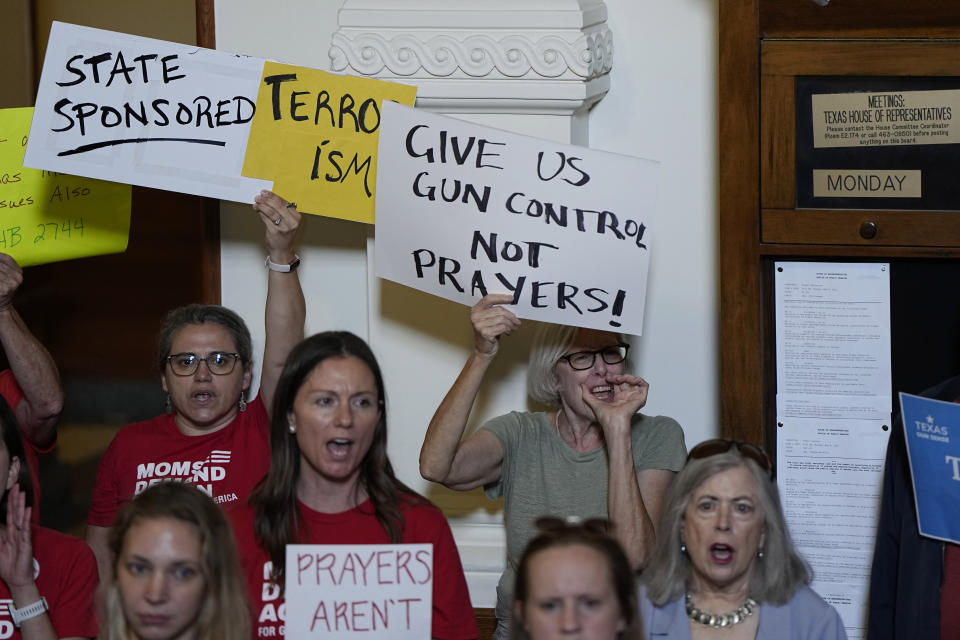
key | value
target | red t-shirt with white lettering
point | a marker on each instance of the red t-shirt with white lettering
(66, 575)
(453, 617)
(12, 393)
(225, 465)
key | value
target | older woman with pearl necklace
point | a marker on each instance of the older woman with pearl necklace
(724, 566)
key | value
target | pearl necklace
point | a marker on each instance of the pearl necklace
(718, 621)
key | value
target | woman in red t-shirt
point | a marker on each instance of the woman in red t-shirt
(47, 579)
(330, 482)
(210, 437)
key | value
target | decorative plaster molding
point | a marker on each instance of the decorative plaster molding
(549, 57)
(476, 56)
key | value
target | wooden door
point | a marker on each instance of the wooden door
(765, 46)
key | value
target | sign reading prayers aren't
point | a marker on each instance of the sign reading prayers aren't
(464, 210)
(351, 591)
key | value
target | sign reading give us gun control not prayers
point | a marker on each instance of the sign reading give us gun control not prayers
(344, 592)
(464, 210)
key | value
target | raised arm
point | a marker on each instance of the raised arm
(634, 498)
(32, 365)
(16, 566)
(476, 460)
(285, 308)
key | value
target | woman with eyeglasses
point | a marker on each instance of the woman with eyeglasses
(331, 482)
(574, 582)
(724, 565)
(211, 436)
(589, 455)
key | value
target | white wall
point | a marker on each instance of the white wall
(661, 105)
(333, 272)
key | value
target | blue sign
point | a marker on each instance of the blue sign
(932, 429)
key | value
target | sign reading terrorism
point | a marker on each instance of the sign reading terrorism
(316, 138)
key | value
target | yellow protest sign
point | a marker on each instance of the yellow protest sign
(315, 135)
(47, 216)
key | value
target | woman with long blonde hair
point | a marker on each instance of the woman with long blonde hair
(176, 575)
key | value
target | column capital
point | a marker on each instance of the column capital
(510, 56)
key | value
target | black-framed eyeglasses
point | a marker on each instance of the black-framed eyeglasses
(219, 363)
(717, 446)
(581, 360)
(552, 525)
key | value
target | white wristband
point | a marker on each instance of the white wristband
(283, 268)
(20, 616)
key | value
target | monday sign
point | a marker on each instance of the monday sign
(464, 210)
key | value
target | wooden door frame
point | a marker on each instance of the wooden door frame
(206, 37)
(747, 359)
(741, 362)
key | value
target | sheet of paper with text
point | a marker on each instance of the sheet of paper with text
(49, 216)
(833, 419)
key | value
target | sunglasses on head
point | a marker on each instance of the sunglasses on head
(553, 525)
(717, 446)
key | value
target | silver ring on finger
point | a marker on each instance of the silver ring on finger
(278, 220)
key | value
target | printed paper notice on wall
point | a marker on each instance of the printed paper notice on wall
(343, 592)
(465, 210)
(315, 136)
(148, 112)
(47, 216)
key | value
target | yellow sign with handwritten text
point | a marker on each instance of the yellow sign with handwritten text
(47, 216)
(315, 135)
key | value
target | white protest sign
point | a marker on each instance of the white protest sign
(147, 112)
(463, 210)
(352, 591)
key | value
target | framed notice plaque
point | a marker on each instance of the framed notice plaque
(878, 142)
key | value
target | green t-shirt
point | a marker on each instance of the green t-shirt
(542, 476)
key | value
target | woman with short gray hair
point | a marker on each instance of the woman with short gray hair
(589, 455)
